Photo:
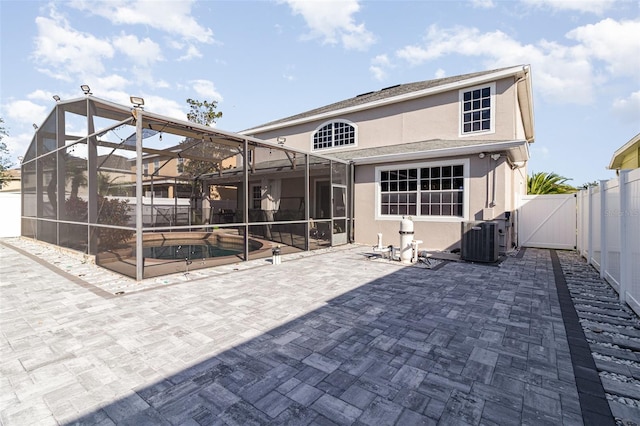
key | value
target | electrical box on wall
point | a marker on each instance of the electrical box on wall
(480, 242)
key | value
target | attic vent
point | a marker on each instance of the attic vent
(364, 94)
(390, 87)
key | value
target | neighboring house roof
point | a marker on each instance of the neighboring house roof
(627, 156)
(12, 183)
(403, 92)
(114, 161)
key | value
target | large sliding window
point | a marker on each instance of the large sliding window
(425, 190)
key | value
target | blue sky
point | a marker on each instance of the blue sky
(265, 60)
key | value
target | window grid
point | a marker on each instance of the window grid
(333, 135)
(180, 165)
(439, 190)
(476, 107)
(256, 197)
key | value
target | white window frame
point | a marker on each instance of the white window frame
(179, 165)
(254, 199)
(464, 162)
(492, 109)
(333, 147)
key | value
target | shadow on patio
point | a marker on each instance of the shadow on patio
(463, 344)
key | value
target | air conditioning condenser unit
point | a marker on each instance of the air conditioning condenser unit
(479, 242)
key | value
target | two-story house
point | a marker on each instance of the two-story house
(442, 152)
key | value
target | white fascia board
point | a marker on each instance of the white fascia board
(395, 99)
(521, 148)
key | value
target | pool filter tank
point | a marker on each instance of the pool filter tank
(406, 237)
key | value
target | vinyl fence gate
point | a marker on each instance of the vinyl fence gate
(547, 221)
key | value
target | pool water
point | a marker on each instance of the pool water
(201, 250)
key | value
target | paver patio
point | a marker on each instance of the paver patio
(324, 339)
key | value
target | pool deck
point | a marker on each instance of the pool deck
(328, 337)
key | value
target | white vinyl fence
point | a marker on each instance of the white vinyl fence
(9, 214)
(608, 226)
(547, 221)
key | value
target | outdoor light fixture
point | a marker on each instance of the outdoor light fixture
(35, 126)
(56, 98)
(86, 89)
(495, 157)
(481, 155)
(281, 140)
(137, 101)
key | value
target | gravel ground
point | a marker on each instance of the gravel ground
(613, 332)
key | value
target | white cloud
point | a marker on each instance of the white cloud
(173, 17)
(17, 145)
(483, 4)
(111, 82)
(191, 53)
(628, 109)
(615, 42)
(142, 52)
(333, 22)
(562, 73)
(440, 73)
(585, 6)
(41, 95)
(167, 107)
(379, 66)
(19, 116)
(205, 89)
(26, 112)
(69, 52)
(378, 73)
(152, 103)
(382, 60)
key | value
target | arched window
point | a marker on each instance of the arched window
(334, 135)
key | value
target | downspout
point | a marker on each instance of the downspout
(493, 184)
(352, 202)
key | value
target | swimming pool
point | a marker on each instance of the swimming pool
(195, 249)
(194, 245)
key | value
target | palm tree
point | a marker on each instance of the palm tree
(548, 183)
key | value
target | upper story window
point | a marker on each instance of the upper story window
(334, 135)
(477, 110)
(180, 165)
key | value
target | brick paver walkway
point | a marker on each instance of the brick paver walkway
(326, 339)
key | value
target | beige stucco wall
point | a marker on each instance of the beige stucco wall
(440, 233)
(432, 117)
